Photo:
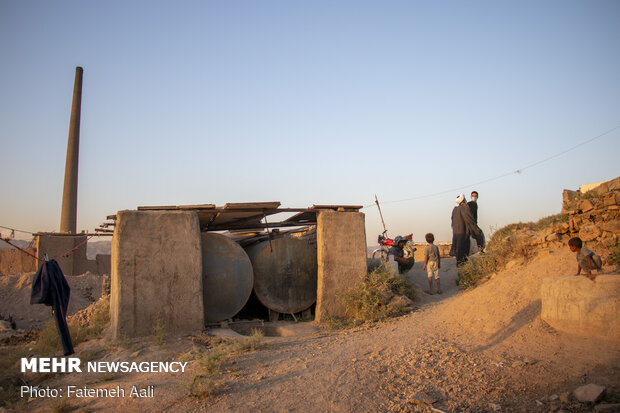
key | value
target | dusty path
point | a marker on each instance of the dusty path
(476, 351)
(482, 350)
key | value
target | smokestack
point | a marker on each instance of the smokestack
(68, 218)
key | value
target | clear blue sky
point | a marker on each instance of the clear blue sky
(307, 103)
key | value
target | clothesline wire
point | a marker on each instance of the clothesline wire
(518, 171)
(17, 230)
(35, 233)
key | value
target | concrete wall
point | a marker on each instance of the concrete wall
(54, 245)
(104, 264)
(13, 261)
(156, 273)
(580, 306)
(341, 254)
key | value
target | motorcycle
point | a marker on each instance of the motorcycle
(386, 243)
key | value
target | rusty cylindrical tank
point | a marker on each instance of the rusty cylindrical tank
(227, 277)
(285, 274)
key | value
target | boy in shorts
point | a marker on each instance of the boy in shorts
(432, 263)
(586, 259)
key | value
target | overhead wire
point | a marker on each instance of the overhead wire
(517, 171)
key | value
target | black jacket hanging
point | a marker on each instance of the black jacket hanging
(51, 288)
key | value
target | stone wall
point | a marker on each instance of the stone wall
(156, 279)
(595, 214)
(581, 306)
(341, 255)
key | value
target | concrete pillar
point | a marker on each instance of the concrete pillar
(341, 255)
(68, 218)
(156, 273)
(581, 306)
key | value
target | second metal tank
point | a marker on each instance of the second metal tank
(285, 274)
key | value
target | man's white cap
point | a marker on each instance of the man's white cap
(460, 198)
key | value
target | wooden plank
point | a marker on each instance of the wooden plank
(198, 207)
(158, 208)
(336, 207)
(252, 205)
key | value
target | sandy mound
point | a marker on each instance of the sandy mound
(15, 298)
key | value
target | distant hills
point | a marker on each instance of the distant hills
(98, 247)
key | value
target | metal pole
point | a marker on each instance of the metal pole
(380, 214)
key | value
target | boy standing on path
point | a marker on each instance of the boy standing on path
(432, 263)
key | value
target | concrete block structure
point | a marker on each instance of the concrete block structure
(55, 245)
(577, 305)
(15, 262)
(156, 273)
(341, 255)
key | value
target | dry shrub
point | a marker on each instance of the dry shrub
(614, 253)
(60, 406)
(159, 331)
(10, 378)
(374, 299)
(508, 243)
(206, 381)
(48, 342)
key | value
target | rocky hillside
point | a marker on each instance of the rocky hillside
(593, 216)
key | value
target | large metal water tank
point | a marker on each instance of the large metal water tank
(285, 274)
(226, 276)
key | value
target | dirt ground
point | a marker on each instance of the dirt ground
(482, 350)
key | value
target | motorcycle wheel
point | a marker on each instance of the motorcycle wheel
(381, 254)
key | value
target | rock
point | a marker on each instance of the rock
(589, 232)
(565, 397)
(553, 397)
(400, 302)
(553, 237)
(511, 264)
(611, 226)
(561, 228)
(590, 393)
(495, 407)
(586, 205)
(422, 398)
(5, 326)
(137, 354)
(609, 199)
(607, 407)
(568, 197)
